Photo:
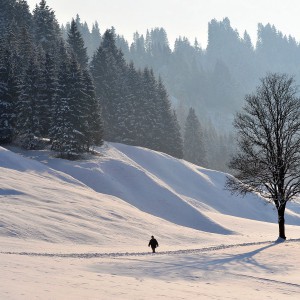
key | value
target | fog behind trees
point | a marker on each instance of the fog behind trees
(213, 81)
(148, 77)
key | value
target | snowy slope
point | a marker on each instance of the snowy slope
(124, 189)
(79, 230)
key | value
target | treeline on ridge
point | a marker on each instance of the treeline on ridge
(74, 88)
(212, 80)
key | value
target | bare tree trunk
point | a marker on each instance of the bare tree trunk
(281, 222)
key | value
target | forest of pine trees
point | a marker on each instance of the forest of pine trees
(73, 87)
(52, 91)
(46, 92)
(213, 81)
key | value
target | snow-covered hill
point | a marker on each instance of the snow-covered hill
(124, 194)
(80, 229)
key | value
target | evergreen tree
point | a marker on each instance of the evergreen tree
(47, 31)
(176, 142)
(72, 129)
(149, 111)
(28, 109)
(61, 127)
(6, 15)
(22, 15)
(64, 30)
(84, 30)
(49, 86)
(168, 129)
(122, 44)
(91, 39)
(10, 76)
(108, 68)
(134, 107)
(77, 109)
(25, 47)
(157, 48)
(95, 39)
(76, 44)
(65, 131)
(138, 50)
(93, 130)
(6, 103)
(194, 150)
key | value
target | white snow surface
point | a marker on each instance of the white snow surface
(80, 230)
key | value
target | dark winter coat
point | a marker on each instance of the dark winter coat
(153, 243)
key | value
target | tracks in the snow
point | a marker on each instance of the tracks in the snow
(131, 254)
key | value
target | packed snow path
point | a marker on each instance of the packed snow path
(129, 254)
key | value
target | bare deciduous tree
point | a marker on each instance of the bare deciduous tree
(268, 158)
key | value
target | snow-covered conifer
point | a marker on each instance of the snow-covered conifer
(28, 109)
(46, 27)
(93, 127)
(108, 68)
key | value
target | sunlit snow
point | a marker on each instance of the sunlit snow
(80, 230)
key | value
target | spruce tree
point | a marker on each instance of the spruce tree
(77, 109)
(84, 30)
(49, 86)
(25, 47)
(6, 104)
(134, 107)
(176, 141)
(6, 15)
(169, 131)
(194, 150)
(68, 127)
(93, 127)
(10, 77)
(138, 50)
(46, 27)
(22, 15)
(149, 111)
(76, 45)
(108, 68)
(61, 106)
(62, 128)
(95, 39)
(164, 117)
(28, 109)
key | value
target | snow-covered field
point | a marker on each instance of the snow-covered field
(80, 230)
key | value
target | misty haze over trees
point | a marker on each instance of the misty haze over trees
(76, 85)
(212, 81)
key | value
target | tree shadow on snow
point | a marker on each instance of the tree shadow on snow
(200, 266)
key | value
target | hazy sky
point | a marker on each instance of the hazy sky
(180, 17)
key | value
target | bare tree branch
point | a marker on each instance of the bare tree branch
(268, 159)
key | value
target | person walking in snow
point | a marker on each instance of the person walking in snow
(153, 243)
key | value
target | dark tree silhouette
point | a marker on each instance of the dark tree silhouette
(268, 160)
